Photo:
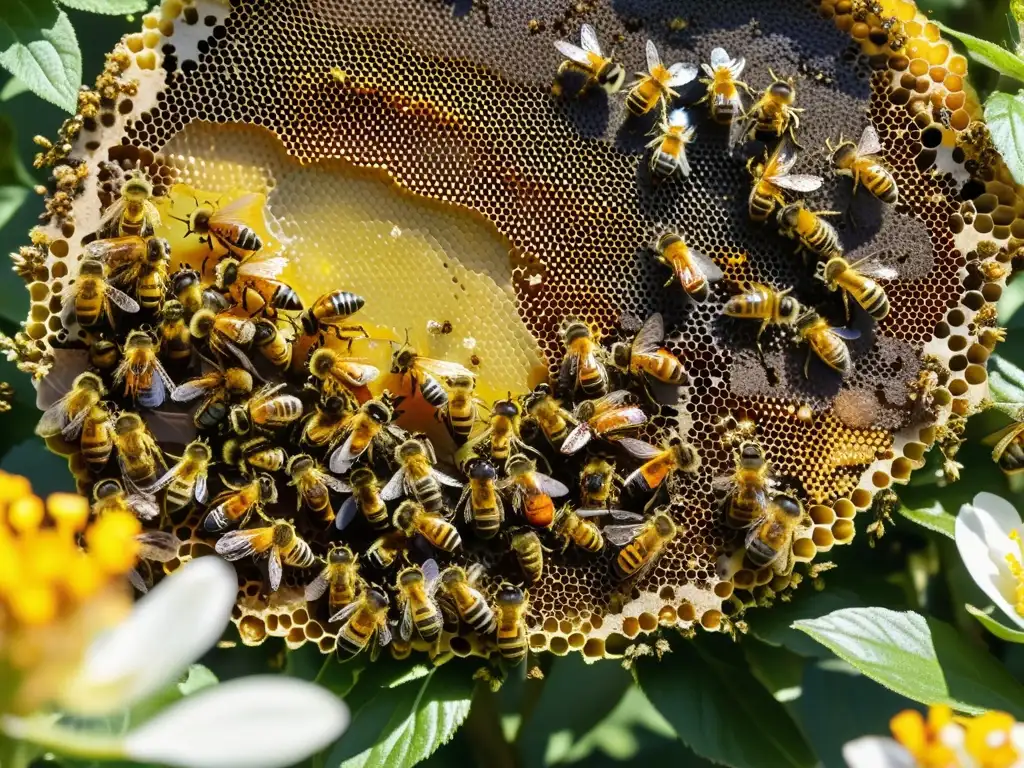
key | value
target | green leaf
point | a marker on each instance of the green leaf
(923, 659)
(11, 199)
(38, 46)
(704, 689)
(1004, 115)
(13, 87)
(198, 678)
(775, 626)
(934, 518)
(997, 628)
(1006, 380)
(420, 717)
(991, 55)
(109, 7)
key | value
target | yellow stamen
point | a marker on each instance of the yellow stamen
(1017, 569)
(25, 514)
(923, 739)
(68, 510)
(33, 604)
(111, 541)
(987, 740)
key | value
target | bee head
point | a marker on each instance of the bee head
(184, 278)
(519, 465)
(405, 514)
(782, 91)
(333, 405)
(202, 322)
(410, 575)
(268, 489)
(664, 526)
(340, 555)
(410, 448)
(789, 506)
(157, 250)
(525, 541)
(789, 215)
(482, 470)
(127, 422)
(378, 410)
(138, 340)
(199, 219)
(173, 311)
(751, 455)
(789, 309)
(403, 358)
(240, 420)
(226, 273)
(298, 464)
(265, 331)
(107, 488)
(843, 155)
(136, 188)
(621, 354)
(284, 533)
(833, 268)
(92, 268)
(585, 410)
(686, 455)
(376, 599)
(665, 240)
(509, 595)
(611, 77)
(198, 450)
(361, 477)
(453, 575)
(461, 381)
(231, 451)
(89, 381)
(573, 330)
(322, 362)
(238, 381)
(103, 353)
(508, 408)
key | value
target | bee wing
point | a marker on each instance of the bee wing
(797, 182)
(165, 479)
(200, 491)
(599, 512)
(430, 572)
(639, 449)
(343, 456)
(869, 143)
(567, 371)
(621, 535)
(144, 507)
(124, 302)
(241, 357)
(261, 264)
(346, 514)
(346, 612)
(550, 486)
(234, 545)
(781, 160)
(316, 588)
(358, 374)
(67, 308)
(192, 389)
(159, 546)
(274, 569)
(245, 211)
(870, 266)
(681, 73)
(334, 483)
(405, 626)
(113, 250)
(572, 52)
(588, 39)
(137, 581)
(576, 439)
(393, 489)
(720, 58)
(614, 399)
(73, 428)
(723, 483)
(444, 479)
(711, 270)
(849, 334)
(55, 418)
(443, 369)
(383, 634)
(164, 376)
(114, 211)
(653, 58)
(651, 335)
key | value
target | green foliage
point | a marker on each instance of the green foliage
(991, 55)
(920, 658)
(934, 518)
(39, 47)
(110, 7)
(1004, 114)
(996, 627)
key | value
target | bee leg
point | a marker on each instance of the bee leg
(807, 365)
(846, 306)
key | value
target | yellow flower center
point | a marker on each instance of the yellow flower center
(987, 740)
(929, 742)
(945, 741)
(1017, 569)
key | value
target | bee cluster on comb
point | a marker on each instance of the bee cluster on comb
(571, 454)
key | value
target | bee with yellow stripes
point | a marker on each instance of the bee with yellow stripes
(642, 543)
(417, 476)
(186, 480)
(411, 518)
(416, 587)
(469, 603)
(339, 578)
(861, 162)
(608, 417)
(588, 60)
(226, 335)
(365, 498)
(67, 416)
(774, 113)
(217, 388)
(144, 377)
(826, 341)
(529, 553)
(98, 437)
(646, 358)
(770, 538)
(772, 178)
(313, 485)
(724, 85)
(554, 421)
(337, 374)
(229, 226)
(133, 213)
(511, 606)
(272, 344)
(138, 262)
(810, 230)
(138, 454)
(573, 527)
(656, 86)
(582, 367)
(462, 411)
(91, 296)
(747, 488)
(269, 407)
(364, 625)
(278, 541)
(483, 507)
(764, 303)
(668, 147)
(108, 495)
(238, 502)
(857, 280)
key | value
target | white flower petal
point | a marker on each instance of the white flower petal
(983, 545)
(876, 752)
(264, 721)
(171, 627)
(999, 509)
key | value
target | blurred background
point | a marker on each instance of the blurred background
(595, 715)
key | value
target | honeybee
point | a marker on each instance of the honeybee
(532, 491)
(483, 508)
(810, 230)
(268, 408)
(139, 262)
(724, 86)
(857, 279)
(1008, 452)
(370, 426)
(156, 546)
(747, 487)
(90, 295)
(144, 377)
(186, 479)
(226, 334)
(411, 518)
(589, 60)
(383, 552)
(104, 355)
(416, 586)
(764, 303)
(771, 176)
(511, 607)
(608, 417)
(470, 604)
(66, 416)
(677, 455)
(825, 341)
(597, 483)
(216, 388)
(133, 213)
(325, 425)
(573, 528)
(97, 437)
(774, 112)
(365, 499)
(228, 225)
(554, 421)
(109, 496)
(529, 554)
(337, 373)
(187, 287)
(272, 344)
(502, 433)
(314, 485)
(256, 453)
(461, 412)
(646, 358)
(581, 367)
(234, 505)
(861, 161)
(339, 578)
(694, 271)
(138, 454)
(364, 621)
(771, 536)
(642, 544)
(655, 87)
(328, 312)
(424, 373)
(668, 155)
(175, 337)
(278, 541)
(254, 285)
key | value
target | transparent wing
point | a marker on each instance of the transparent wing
(444, 479)
(797, 182)
(190, 390)
(54, 418)
(124, 302)
(578, 438)
(869, 142)
(653, 58)
(164, 376)
(263, 265)
(343, 456)
(639, 449)
(681, 73)
(159, 546)
(621, 535)
(781, 160)
(651, 335)
(550, 486)
(240, 356)
(405, 627)
(165, 479)
(73, 428)
(274, 569)
(393, 489)
(137, 581)
(383, 634)
(113, 212)
(234, 545)
(869, 266)
(143, 506)
(347, 513)
(430, 572)
(316, 588)
(572, 52)
(334, 483)
(443, 368)
(346, 612)
(850, 334)
(711, 270)
(200, 492)
(588, 39)
(720, 58)
(358, 374)
(612, 400)
(246, 210)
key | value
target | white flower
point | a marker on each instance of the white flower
(988, 535)
(877, 752)
(257, 722)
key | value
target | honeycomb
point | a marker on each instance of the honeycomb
(414, 153)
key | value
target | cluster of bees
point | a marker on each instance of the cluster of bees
(773, 117)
